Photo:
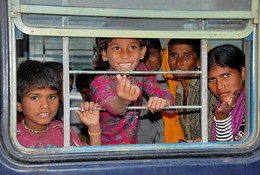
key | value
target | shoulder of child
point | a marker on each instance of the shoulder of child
(19, 128)
(142, 67)
(56, 124)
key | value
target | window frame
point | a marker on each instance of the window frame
(120, 152)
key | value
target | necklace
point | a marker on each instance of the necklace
(35, 131)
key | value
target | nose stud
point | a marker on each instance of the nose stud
(223, 86)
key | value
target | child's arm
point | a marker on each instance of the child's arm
(90, 117)
(159, 96)
(126, 93)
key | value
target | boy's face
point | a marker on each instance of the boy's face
(39, 107)
(123, 54)
(153, 59)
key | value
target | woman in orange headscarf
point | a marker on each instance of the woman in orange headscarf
(172, 127)
(184, 55)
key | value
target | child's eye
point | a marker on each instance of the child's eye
(35, 98)
(226, 75)
(116, 48)
(52, 97)
(133, 47)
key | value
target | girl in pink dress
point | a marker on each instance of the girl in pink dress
(115, 92)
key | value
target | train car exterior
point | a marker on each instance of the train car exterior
(182, 158)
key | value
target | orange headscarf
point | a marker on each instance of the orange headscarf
(172, 127)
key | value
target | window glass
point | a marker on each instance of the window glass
(45, 48)
(151, 4)
(133, 23)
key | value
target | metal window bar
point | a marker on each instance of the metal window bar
(204, 90)
(66, 100)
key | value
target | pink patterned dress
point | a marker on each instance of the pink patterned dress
(122, 129)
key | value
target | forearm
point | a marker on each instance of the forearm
(224, 129)
(94, 135)
(95, 140)
(118, 105)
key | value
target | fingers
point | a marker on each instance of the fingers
(156, 104)
(235, 97)
(233, 100)
(88, 107)
(123, 83)
(125, 90)
(89, 114)
(134, 92)
(195, 140)
(120, 82)
(223, 111)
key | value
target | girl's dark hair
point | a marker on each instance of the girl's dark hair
(35, 74)
(194, 43)
(226, 55)
(102, 44)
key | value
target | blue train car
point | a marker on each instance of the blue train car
(64, 30)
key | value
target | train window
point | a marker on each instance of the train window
(64, 31)
(149, 5)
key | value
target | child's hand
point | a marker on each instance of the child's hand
(157, 104)
(89, 115)
(222, 112)
(125, 90)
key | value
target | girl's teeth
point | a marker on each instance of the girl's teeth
(44, 113)
(125, 65)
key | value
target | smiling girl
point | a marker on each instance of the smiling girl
(116, 92)
(226, 80)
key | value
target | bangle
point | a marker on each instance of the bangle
(123, 113)
(94, 133)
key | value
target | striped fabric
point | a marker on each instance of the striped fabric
(224, 129)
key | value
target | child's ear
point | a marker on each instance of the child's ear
(19, 107)
(243, 72)
(198, 64)
(143, 51)
(161, 53)
(104, 55)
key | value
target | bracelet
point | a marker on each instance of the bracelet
(123, 113)
(94, 133)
